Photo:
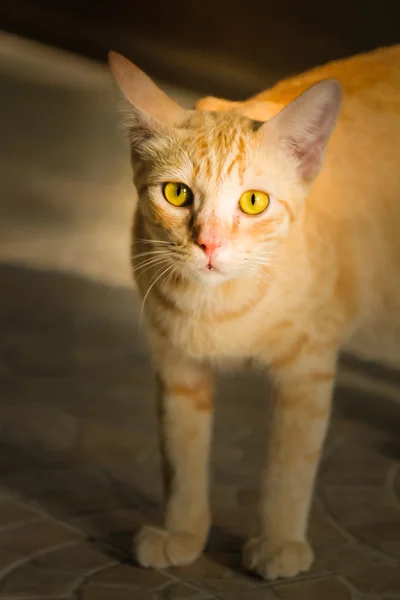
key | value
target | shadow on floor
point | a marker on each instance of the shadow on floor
(78, 431)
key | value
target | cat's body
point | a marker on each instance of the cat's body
(318, 271)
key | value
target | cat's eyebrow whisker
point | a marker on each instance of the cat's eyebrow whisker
(184, 151)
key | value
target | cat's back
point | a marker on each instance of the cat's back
(374, 76)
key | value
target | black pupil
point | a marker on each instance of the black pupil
(253, 199)
(178, 191)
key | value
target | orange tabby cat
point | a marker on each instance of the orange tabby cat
(248, 247)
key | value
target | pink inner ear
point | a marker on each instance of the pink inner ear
(306, 124)
(309, 151)
(310, 159)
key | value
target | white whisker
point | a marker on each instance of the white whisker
(151, 286)
(150, 253)
(148, 241)
(147, 265)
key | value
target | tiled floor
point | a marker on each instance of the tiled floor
(78, 464)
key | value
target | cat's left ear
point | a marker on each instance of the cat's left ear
(303, 128)
(150, 108)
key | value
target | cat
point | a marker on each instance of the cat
(266, 230)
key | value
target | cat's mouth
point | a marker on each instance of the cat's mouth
(211, 273)
(210, 267)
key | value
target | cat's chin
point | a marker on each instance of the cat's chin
(212, 276)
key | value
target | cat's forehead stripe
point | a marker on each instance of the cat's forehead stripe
(218, 144)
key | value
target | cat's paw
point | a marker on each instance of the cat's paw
(277, 558)
(154, 547)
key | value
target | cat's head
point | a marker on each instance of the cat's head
(219, 191)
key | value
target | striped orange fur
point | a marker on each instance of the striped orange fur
(318, 270)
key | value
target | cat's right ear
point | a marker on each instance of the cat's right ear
(304, 126)
(149, 108)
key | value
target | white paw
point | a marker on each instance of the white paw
(154, 547)
(277, 558)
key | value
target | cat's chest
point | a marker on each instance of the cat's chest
(215, 324)
(230, 330)
(212, 338)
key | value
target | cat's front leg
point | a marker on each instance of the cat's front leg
(185, 419)
(298, 418)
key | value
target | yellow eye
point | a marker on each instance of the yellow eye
(253, 202)
(177, 194)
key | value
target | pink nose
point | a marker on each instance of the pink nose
(209, 243)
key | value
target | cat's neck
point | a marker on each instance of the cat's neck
(209, 300)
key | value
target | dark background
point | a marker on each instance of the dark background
(221, 46)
